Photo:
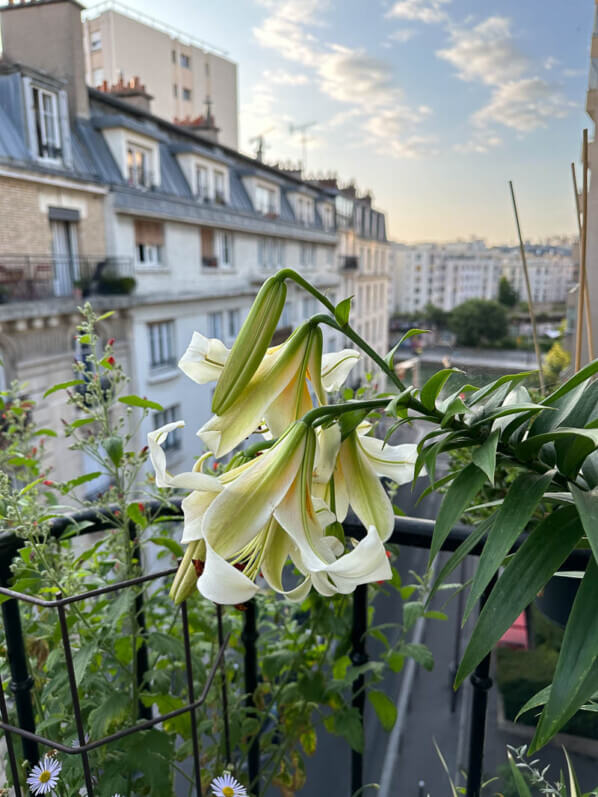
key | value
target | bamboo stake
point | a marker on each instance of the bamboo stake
(530, 303)
(582, 264)
(589, 331)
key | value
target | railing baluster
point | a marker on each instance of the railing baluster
(482, 683)
(249, 637)
(145, 712)
(358, 657)
(191, 695)
(224, 690)
(66, 644)
(21, 682)
(10, 749)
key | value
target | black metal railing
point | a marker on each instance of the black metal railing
(32, 277)
(414, 532)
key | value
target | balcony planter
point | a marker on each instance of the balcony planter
(116, 285)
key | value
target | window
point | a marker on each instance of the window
(225, 248)
(185, 61)
(47, 129)
(175, 90)
(168, 415)
(149, 242)
(327, 217)
(219, 191)
(270, 252)
(138, 166)
(97, 76)
(215, 325)
(95, 40)
(161, 337)
(233, 322)
(329, 256)
(203, 186)
(306, 254)
(186, 94)
(173, 55)
(265, 200)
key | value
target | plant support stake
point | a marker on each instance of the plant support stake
(586, 297)
(582, 258)
(530, 303)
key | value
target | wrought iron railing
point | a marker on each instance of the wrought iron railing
(409, 531)
(33, 277)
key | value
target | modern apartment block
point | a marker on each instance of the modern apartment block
(187, 78)
(99, 196)
(446, 275)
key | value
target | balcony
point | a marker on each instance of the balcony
(36, 277)
(348, 262)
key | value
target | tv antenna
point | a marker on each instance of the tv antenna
(260, 141)
(304, 139)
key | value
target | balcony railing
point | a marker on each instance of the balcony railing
(408, 531)
(36, 277)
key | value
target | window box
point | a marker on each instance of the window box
(209, 261)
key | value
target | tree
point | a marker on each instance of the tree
(435, 316)
(478, 320)
(507, 295)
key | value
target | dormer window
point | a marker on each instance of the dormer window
(265, 200)
(219, 189)
(138, 166)
(47, 124)
(203, 183)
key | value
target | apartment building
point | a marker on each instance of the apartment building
(446, 275)
(187, 78)
(97, 188)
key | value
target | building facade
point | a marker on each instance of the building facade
(97, 190)
(180, 72)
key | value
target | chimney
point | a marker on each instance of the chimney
(202, 126)
(131, 91)
(48, 35)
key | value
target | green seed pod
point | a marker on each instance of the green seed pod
(185, 579)
(251, 343)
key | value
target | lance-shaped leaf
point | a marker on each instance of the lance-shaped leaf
(485, 456)
(459, 495)
(523, 789)
(431, 389)
(581, 376)
(587, 506)
(584, 441)
(535, 562)
(511, 519)
(508, 379)
(576, 675)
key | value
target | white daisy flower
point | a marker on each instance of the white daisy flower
(43, 778)
(227, 786)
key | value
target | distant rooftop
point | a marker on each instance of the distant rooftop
(93, 12)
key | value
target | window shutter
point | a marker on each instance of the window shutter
(149, 232)
(30, 117)
(65, 129)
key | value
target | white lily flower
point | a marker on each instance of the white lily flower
(204, 359)
(193, 480)
(336, 367)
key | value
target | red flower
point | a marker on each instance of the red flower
(111, 342)
(141, 506)
(48, 483)
(110, 360)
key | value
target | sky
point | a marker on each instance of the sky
(432, 105)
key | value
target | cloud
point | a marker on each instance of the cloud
(480, 142)
(402, 35)
(524, 105)
(350, 75)
(427, 11)
(281, 77)
(486, 52)
(284, 29)
(550, 62)
(574, 72)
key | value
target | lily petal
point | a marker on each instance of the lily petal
(336, 367)
(366, 494)
(328, 443)
(194, 507)
(394, 462)
(220, 582)
(367, 562)
(190, 480)
(277, 554)
(204, 359)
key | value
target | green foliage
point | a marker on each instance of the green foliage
(478, 321)
(507, 295)
(556, 361)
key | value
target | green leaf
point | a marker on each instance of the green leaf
(517, 508)
(512, 379)
(574, 790)
(45, 432)
(395, 661)
(104, 316)
(412, 611)
(84, 339)
(531, 567)
(342, 311)
(461, 553)
(523, 789)
(111, 711)
(431, 389)
(173, 546)
(530, 447)
(420, 653)
(587, 507)
(62, 386)
(30, 486)
(581, 376)
(137, 401)
(82, 659)
(576, 675)
(384, 708)
(461, 492)
(485, 456)
(86, 477)
(113, 446)
(389, 359)
(539, 699)
(81, 422)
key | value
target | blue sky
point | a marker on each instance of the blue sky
(432, 104)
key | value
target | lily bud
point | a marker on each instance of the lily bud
(251, 344)
(185, 579)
